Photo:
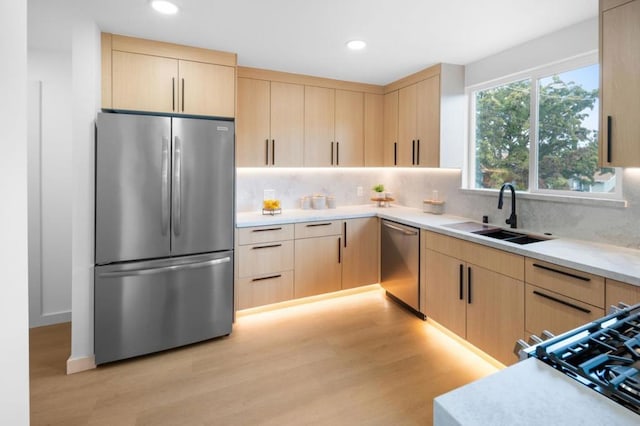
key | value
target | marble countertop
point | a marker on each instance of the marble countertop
(529, 392)
(613, 262)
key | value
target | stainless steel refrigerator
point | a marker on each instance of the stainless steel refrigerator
(164, 233)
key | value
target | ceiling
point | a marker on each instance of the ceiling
(309, 36)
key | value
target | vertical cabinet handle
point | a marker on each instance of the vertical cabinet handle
(413, 153)
(461, 282)
(183, 95)
(418, 153)
(469, 285)
(266, 152)
(173, 93)
(273, 152)
(337, 153)
(339, 250)
(332, 153)
(344, 231)
(395, 153)
(608, 138)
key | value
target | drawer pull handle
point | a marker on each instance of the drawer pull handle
(571, 305)
(264, 247)
(271, 277)
(267, 229)
(311, 225)
(568, 274)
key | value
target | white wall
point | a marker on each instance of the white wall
(564, 44)
(49, 187)
(14, 356)
(85, 66)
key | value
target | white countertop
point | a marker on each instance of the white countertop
(529, 393)
(609, 261)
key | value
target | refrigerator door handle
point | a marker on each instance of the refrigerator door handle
(165, 185)
(177, 184)
(149, 271)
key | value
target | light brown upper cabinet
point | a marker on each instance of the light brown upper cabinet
(270, 123)
(150, 76)
(620, 83)
(390, 129)
(373, 130)
(334, 127)
(424, 119)
(419, 124)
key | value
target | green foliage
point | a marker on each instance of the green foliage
(567, 151)
(378, 188)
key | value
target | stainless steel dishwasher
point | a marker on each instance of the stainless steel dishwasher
(400, 264)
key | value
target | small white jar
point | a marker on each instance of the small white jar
(319, 202)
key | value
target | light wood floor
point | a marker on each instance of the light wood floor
(358, 359)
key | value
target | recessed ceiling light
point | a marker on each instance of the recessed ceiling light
(165, 7)
(356, 44)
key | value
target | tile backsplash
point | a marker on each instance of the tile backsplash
(612, 225)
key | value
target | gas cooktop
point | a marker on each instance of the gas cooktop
(604, 355)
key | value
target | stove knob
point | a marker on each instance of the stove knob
(534, 340)
(546, 335)
(519, 348)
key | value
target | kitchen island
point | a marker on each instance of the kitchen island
(529, 392)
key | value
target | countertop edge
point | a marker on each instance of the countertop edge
(591, 254)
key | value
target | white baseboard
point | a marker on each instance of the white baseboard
(76, 365)
(50, 319)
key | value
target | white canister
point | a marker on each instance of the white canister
(331, 202)
(319, 202)
(305, 203)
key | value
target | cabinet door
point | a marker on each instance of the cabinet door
(620, 86)
(445, 286)
(319, 123)
(495, 314)
(428, 123)
(360, 252)
(373, 130)
(390, 130)
(621, 292)
(253, 123)
(144, 83)
(287, 124)
(349, 128)
(318, 266)
(207, 89)
(407, 99)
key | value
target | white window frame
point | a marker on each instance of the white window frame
(534, 75)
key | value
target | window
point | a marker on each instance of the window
(540, 132)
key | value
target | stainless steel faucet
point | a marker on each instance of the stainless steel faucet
(513, 219)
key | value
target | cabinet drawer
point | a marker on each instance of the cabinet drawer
(546, 310)
(621, 292)
(587, 288)
(265, 234)
(318, 229)
(265, 258)
(265, 289)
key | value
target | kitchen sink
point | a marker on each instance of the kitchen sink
(496, 233)
(511, 236)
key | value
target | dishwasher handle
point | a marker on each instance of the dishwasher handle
(399, 229)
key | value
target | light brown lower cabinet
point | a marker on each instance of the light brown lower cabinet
(318, 265)
(617, 292)
(360, 258)
(559, 299)
(264, 290)
(484, 306)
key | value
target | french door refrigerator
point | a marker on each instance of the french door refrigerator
(164, 233)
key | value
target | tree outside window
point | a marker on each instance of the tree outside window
(565, 129)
